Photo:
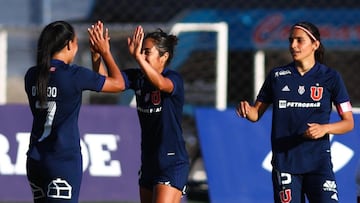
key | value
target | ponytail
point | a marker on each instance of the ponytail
(53, 38)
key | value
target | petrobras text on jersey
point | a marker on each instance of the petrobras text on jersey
(96, 149)
(289, 104)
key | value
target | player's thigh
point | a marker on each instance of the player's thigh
(287, 188)
(66, 178)
(37, 180)
(146, 195)
(176, 176)
(55, 181)
(321, 188)
(166, 194)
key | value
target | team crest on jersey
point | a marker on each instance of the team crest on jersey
(155, 97)
(301, 89)
(316, 92)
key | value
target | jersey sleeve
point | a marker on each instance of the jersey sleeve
(177, 81)
(265, 94)
(340, 94)
(86, 79)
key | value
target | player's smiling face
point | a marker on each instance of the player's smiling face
(152, 55)
(301, 46)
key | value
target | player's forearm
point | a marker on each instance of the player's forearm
(156, 78)
(114, 81)
(113, 70)
(97, 65)
(255, 114)
(340, 127)
(251, 114)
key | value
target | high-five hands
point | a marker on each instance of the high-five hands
(99, 38)
(135, 42)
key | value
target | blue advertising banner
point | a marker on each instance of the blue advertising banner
(269, 28)
(237, 156)
(110, 141)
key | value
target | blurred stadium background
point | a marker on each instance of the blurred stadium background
(23, 20)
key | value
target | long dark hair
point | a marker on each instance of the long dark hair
(53, 38)
(164, 43)
(319, 53)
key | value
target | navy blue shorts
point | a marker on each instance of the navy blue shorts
(55, 180)
(175, 176)
(317, 187)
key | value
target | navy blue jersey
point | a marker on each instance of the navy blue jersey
(160, 116)
(298, 100)
(55, 126)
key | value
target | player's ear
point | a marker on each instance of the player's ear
(68, 45)
(316, 44)
(165, 57)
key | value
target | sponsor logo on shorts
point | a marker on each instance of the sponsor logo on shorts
(37, 191)
(59, 189)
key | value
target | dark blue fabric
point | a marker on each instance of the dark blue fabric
(298, 100)
(160, 116)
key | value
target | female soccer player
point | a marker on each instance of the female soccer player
(302, 94)
(54, 88)
(160, 98)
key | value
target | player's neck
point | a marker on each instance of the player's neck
(304, 66)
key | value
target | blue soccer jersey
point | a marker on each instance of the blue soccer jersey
(160, 116)
(55, 127)
(298, 100)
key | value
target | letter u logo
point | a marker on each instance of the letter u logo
(285, 196)
(155, 97)
(316, 93)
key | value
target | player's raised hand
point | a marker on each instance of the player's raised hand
(135, 42)
(99, 38)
